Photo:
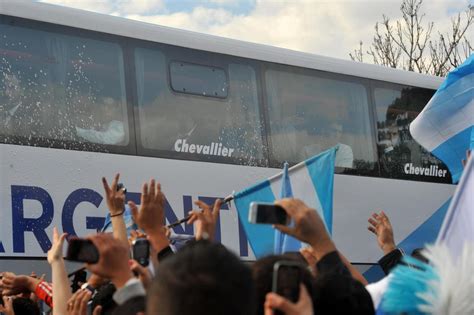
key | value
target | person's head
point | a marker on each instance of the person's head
(341, 294)
(262, 272)
(103, 297)
(133, 306)
(25, 306)
(202, 278)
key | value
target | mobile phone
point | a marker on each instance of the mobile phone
(267, 213)
(286, 279)
(141, 251)
(82, 250)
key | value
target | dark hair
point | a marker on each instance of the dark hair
(418, 254)
(341, 294)
(25, 306)
(262, 271)
(202, 278)
(103, 297)
(131, 306)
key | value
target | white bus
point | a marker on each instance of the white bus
(85, 95)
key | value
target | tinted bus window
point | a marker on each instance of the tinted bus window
(400, 155)
(198, 127)
(309, 113)
(57, 87)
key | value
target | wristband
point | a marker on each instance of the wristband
(117, 214)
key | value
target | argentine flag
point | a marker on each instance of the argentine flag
(312, 181)
(458, 224)
(445, 126)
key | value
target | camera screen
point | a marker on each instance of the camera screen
(82, 250)
(141, 251)
(271, 214)
(288, 284)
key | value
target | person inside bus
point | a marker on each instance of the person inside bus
(109, 129)
(328, 138)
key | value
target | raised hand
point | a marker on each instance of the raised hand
(61, 286)
(15, 284)
(308, 226)
(78, 304)
(380, 225)
(205, 220)
(143, 272)
(304, 306)
(113, 259)
(151, 215)
(55, 253)
(115, 199)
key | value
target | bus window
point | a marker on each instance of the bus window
(180, 125)
(400, 155)
(59, 88)
(309, 114)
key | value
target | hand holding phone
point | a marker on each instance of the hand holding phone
(82, 250)
(267, 213)
(286, 279)
(141, 251)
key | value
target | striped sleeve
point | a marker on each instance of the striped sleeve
(44, 291)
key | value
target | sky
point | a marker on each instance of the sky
(325, 27)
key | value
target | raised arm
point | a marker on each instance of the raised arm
(380, 225)
(310, 228)
(61, 285)
(206, 219)
(116, 204)
(151, 215)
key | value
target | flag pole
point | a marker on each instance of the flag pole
(185, 219)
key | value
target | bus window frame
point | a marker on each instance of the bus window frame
(194, 56)
(273, 162)
(376, 84)
(121, 42)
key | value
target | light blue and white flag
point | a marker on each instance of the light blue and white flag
(445, 125)
(458, 224)
(283, 242)
(312, 181)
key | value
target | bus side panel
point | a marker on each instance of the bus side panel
(408, 204)
(41, 188)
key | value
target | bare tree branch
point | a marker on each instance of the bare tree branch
(407, 43)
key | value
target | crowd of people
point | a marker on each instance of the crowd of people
(203, 276)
